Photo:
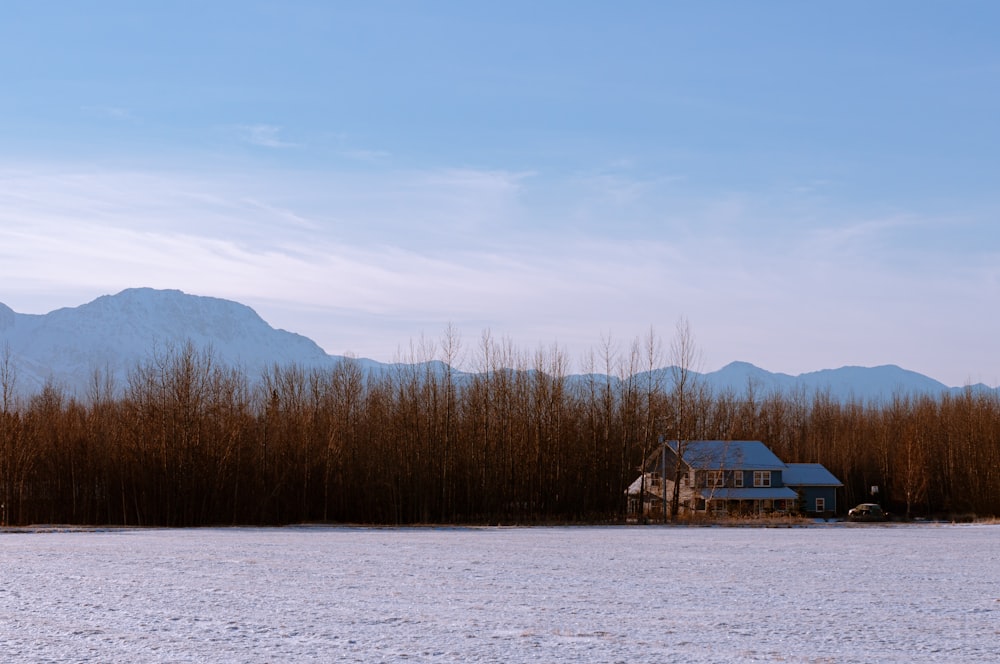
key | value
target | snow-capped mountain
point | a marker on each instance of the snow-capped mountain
(114, 333)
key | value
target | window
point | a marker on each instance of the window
(762, 478)
(715, 478)
(821, 504)
(738, 479)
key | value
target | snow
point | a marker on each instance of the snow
(729, 454)
(627, 594)
(114, 333)
(808, 474)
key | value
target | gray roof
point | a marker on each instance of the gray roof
(809, 474)
(728, 454)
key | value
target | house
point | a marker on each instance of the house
(816, 486)
(730, 477)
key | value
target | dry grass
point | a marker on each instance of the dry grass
(768, 520)
(749, 520)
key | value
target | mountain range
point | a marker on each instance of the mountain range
(114, 333)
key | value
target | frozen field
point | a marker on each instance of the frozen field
(823, 594)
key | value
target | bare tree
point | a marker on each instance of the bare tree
(684, 358)
(8, 377)
(651, 349)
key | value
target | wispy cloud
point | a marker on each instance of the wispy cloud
(113, 112)
(362, 261)
(264, 135)
(863, 234)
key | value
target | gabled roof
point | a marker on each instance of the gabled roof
(728, 455)
(652, 486)
(809, 474)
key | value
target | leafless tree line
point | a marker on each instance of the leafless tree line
(516, 440)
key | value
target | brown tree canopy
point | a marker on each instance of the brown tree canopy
(190, 442)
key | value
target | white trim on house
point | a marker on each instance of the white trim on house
(738, 475)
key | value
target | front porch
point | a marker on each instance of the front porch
(649, 497)
(747, 502)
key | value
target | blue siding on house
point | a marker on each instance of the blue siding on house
(774, 493)
(809, 494)
(813, 481)
(801, 483)
(776, 478)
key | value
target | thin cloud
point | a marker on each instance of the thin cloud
(113, 112)
(401, 253)
(864, 233)
(264, 135)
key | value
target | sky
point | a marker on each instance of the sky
(807, 185)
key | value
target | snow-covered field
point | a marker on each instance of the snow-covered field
(637, 594)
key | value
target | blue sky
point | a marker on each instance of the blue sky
(810, 185)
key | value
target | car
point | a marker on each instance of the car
(867, 512)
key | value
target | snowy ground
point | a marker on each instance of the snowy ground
(637, 594)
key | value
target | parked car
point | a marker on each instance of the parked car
(867, 512)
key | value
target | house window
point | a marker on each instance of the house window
(762, 478)
(715, 478)
(821, 504)
(738, 479)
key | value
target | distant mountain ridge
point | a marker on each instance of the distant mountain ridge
(845, 382)
(114, 333)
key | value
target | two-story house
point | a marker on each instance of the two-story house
(731, 476)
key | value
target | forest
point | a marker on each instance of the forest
(190, 442)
